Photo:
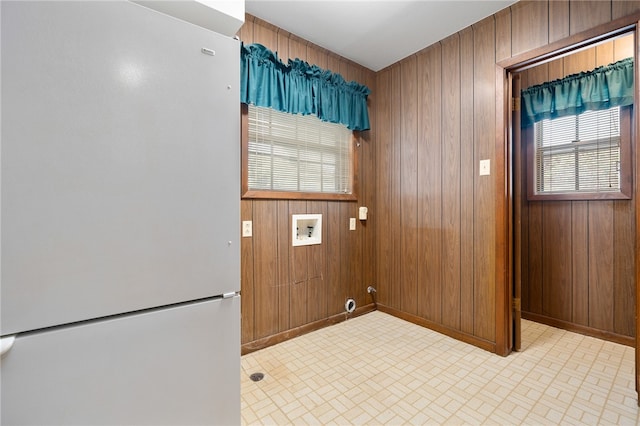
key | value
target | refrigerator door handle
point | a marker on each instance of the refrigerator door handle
(6, 343)
(230, 295)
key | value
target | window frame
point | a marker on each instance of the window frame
(290, 195)
(626, 172)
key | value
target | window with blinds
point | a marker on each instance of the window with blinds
(296, 153)
(578, 153)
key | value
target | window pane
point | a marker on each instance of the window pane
(579, 153)
(558, 131)
(557, 173)
(290, 152)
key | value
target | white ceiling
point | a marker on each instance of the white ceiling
(375, 33)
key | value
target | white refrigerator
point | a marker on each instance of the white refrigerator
(120, 168)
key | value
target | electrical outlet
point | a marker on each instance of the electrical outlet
(247, 228)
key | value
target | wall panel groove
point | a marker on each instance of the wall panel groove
(408, 185)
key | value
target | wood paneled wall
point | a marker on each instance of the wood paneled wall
(429, 246)
(287, 289)
(437, 218)
(578, 256)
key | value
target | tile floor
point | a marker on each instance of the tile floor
(377, 369)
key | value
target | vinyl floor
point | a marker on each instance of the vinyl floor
(380, 370)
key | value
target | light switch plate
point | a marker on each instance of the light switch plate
(247, 228)
(485, 167)
(352, 224)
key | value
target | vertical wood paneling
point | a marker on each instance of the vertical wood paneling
(623, 47)
(348, 70)
(384, 157)
(298, 273)
(579, 61)
(349, 244)
(297, 49)
(604, 54)
(556, 69)
(580, 260)
(484, 143)
(283, 46)
(558, 20)
(625, 236)
(601, 264)
(266, 35)
(368, 194)
(246, 277)
(451, 172)
(529, 29)
(535, 257)
(503, 34)
(316, 264)
(396, 190)
(336, 294)
(409, 187)
(284, 277)
(586, 14)
(430, 184)
(333, 62)
(265, 219)
(621, 8)
(557, 274)
(556, 260)
(540, 74)
(624, 267)
(467, 173)
(317, 56)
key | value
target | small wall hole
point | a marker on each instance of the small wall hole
(350, 305)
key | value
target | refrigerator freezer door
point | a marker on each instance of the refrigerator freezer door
(120, 162)
(178, 365)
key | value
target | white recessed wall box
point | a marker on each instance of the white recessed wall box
(306, 229)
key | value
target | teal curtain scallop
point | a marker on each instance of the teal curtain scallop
(300, 88)
(604, 87)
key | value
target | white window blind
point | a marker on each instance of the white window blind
(292, 152)
(578, 153)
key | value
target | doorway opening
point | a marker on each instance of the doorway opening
(570, 262)
(575, 248)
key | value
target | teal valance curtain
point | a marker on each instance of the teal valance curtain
(602, 88)
(300, 88)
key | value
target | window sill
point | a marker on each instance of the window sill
(577, 196)
(287, 195)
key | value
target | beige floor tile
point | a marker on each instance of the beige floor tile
(379, 370)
